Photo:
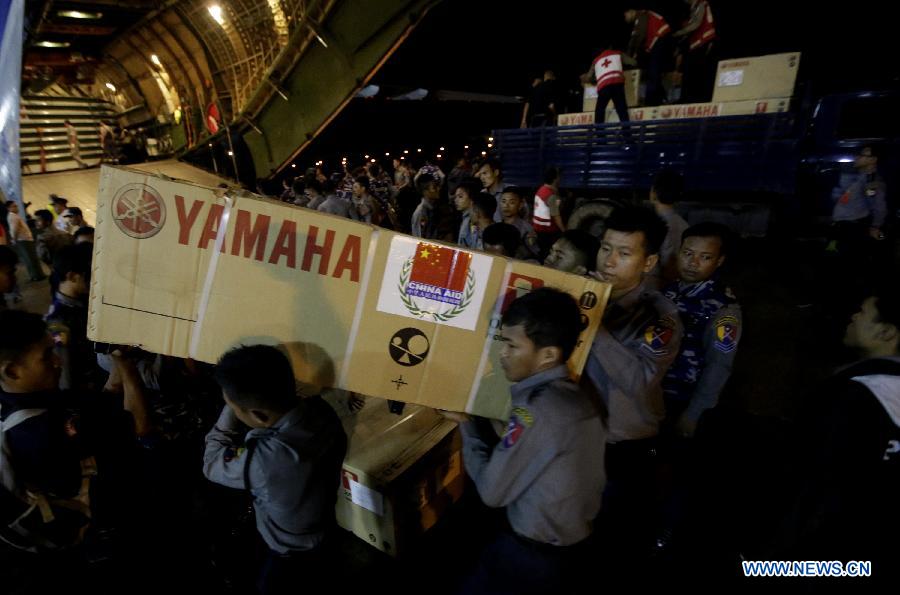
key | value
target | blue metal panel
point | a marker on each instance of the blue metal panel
(755, 153)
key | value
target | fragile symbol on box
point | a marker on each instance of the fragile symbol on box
(409, 347)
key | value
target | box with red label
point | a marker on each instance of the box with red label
(190, 271)
(401, 473)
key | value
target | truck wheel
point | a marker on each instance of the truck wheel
(591, 216)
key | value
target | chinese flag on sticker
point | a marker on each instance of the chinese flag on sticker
(440, 267)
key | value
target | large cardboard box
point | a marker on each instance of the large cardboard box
(759, 77)
(632, 92)
(688, 110)
(190, 271)
(704, 110)
(401, 474)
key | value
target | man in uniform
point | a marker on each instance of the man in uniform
(547, 468)
(67, 318)
(712, 328)
(290, 460)
(638, 341)
(651, 45)
(848, 465)
(860, 207)
(574, 252)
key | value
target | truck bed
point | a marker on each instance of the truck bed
(742, 154)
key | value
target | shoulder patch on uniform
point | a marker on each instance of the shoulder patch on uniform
(726, 334)
(657, 336)
(524, 415)
(232, 453)
(59, 332)
(520, 419)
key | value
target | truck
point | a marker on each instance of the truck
(740, 170)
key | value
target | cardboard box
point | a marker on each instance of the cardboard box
(190, 271)
(757, 77)
(632, 92)
(688, 110)
(402, 472)
(576, 119)
(704, 110)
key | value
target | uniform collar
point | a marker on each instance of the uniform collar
(289, 419)
(64, 300)
(523, 388)
(10, 402)
(693, 289)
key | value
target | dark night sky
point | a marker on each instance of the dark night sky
(497, 46)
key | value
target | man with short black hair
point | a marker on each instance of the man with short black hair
(512, 205)
(333, 203)
(58, 205)
(67, 318)
(849, 457)
(637, 342)
(290, 460)
(362, 206)
(50, 239)
(491, 176)
(51, 436)
(74, 218)
(483, 208)
(574, 252)
(712, 323)
(424, 222)
(464, 201)
(547, 468)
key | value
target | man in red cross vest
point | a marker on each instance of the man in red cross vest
(607, 74)
(698, 36)
(651, 45)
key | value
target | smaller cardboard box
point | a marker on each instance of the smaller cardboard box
(760, 77)
(401, 473)
(632, 92)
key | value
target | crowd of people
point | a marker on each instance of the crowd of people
(577, 467)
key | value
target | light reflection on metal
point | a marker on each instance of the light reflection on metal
(77, 14)
(215, 11)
